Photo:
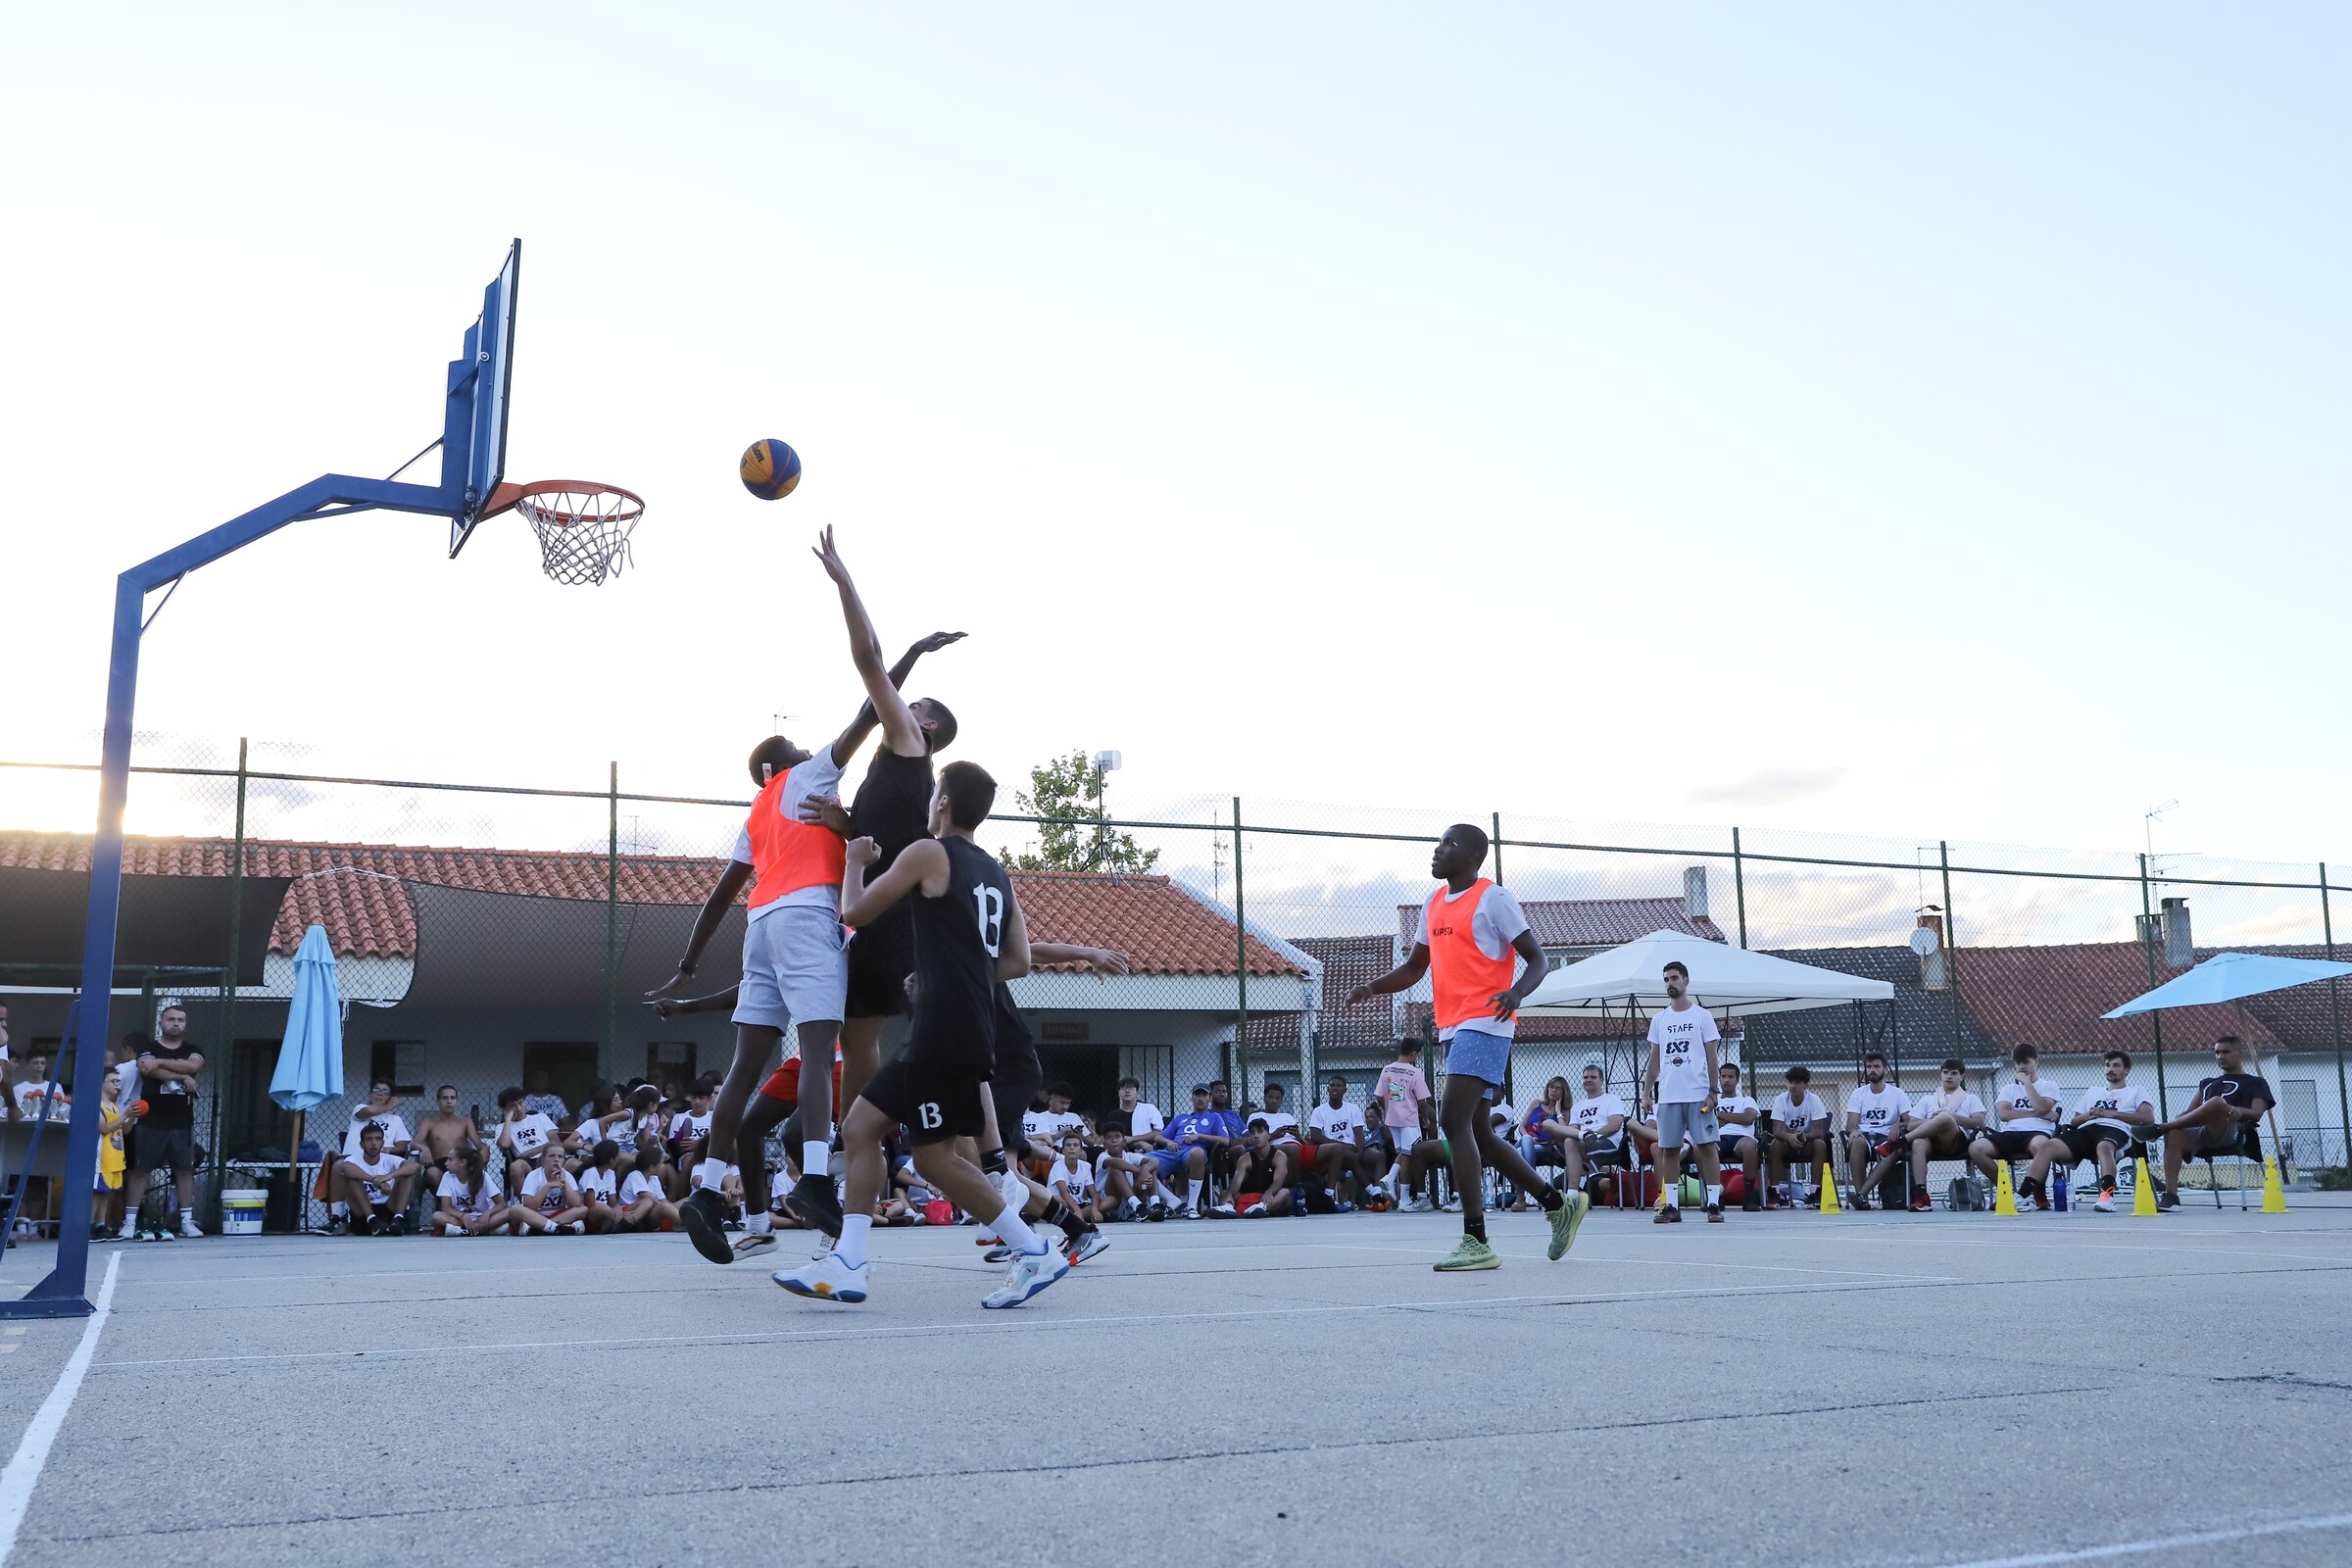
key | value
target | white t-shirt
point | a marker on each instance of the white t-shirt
(686, 1124)
(1495, 928)
(1682, 1038)
(1281, 1123)
(1736, 1129)
(396, 1131)
(2111, 1107)
(1882, 1110)
(2018, 1111)
(530, 1133)
(1144, 1118)
(126, 1081)
(1591, 1114)
(818, 775)
(453, 1191)
(1799, 1117)
(550, 1194)
(378, 1173)
(637, 1183)
(33, 1097)
(599, 1185)
(1960, 1102)
(1080, 1182)
(1049, 1125)
(1338, 1124)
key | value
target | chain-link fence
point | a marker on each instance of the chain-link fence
(491, 936)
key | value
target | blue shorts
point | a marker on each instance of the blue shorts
(1169, 1161)
(1476, 1054)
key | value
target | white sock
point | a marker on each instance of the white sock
(1714, 1194)
(339, 1209)
(710, 1173)
(759, 1224)
(1014, 1231)
(851, 1249)
(814, 1160)
(1192, 1189)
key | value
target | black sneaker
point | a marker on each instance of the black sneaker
(336, 1225)
(1715, 1213)
(812, 1203)
(2169, 1201)
(400, 1224)
(701, 1213)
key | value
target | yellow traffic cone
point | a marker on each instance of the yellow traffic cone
(2143, 1190)
(1828, 1191)
(2004, 1194)
(2274, 1197)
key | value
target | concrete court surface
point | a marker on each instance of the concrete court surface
(1783, 1389)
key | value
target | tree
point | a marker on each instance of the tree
(1067, 790)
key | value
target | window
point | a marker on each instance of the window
(400, 1063)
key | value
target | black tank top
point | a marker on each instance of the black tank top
(893, 806)
(957, 939)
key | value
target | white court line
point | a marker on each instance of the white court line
(24, 1471)
(1005, 1324)
(2202, 1537)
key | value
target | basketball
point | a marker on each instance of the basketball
(769, 470)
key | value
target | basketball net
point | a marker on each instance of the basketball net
(583, 529)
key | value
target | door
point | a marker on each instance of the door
(569, 1068)
(1090, 1072)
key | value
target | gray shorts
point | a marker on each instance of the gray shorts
(153, 1147)
(1679, 1119)
(795, 968)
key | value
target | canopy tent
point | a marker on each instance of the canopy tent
(1723, 978)
(2229, 977)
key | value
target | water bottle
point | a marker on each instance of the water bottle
(2058, 1190)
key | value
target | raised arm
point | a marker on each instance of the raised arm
(864, 724)
(899, 732)
(1106, 959)
(1403, 977)
(706, 925)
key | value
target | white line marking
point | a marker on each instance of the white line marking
(24, 1471)
(2202, 1537)
(1006, 1324)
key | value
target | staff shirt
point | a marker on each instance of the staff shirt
(1682, 1038)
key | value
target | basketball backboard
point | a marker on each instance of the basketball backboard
(473, 437)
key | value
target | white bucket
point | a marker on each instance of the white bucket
(241, 1211)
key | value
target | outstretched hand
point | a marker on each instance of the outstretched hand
(1360, 994)
(1108, 961)
(830, 557)
(935, 642)
(671, 987)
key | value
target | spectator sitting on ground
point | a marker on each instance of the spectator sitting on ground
(540, 1102)
(442, 1134)
(1873, 1127)
(1380, 1158)
(1260, 1166)
(2107, 1119)
(2224, 1118)
(1128, 1178)
(690, 1129)
(1191, 1139)
(650, 1125)
(1597, 1130)
(645, 1203)
(2028, 1110)
(1739, 1133)
(1135, 1117)
(374, 1186)
(550, 1200)
(1335, 1149)
(467, 1203)
(1943, 1126)
(522, 1134)
(600, 1186)
(1072, 1180)
(1800, 1133)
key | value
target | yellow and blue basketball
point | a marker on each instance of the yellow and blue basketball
(769, 470)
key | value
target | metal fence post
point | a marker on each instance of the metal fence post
(1240, 970)
(1498, 848)
(1951, 946)
(2335, 1022)
(611, 1050)
(2147, 948)
(228, 986)
(1740, 886)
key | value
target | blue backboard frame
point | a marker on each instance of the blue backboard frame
(481, 385)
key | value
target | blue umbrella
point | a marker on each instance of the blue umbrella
(2229, 977)
(309, 1063)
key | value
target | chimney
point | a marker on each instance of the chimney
(1926, 939)
(2180, 950)
(1695, 891)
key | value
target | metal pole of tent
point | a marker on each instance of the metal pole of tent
(2335, 1024)
(1740, 888)
(2148, 949)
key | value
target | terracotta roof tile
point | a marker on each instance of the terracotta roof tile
(1591, 922)
(1163, 928)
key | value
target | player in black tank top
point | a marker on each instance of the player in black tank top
(968, 935)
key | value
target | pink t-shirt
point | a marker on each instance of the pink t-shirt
(1401, 1089)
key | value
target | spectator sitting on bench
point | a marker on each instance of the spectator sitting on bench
(2107, 1121)
(374, 1186)
(1544, 1131)
(2029, 1111)
(1800, 1131)
(1336, 1145)
(1874, 1128)
(1944, 1126)
(2225, 1117)
(1596, 1131)
(1738, 1134)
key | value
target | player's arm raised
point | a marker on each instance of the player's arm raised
(899, 732)
(923, 863)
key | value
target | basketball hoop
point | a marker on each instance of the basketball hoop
(583, 527)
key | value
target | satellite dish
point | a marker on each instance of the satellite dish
(1924, 941)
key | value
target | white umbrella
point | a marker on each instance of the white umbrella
(1724, 978)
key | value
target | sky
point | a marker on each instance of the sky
(1899, 421)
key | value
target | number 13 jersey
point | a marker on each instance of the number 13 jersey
(957, 936)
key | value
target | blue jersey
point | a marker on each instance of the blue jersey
(1207, 1123)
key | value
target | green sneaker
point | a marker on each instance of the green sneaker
(1473, 1253)
(1564, 1221)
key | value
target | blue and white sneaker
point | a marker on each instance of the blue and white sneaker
(825, 1279)
(1031, 1273)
